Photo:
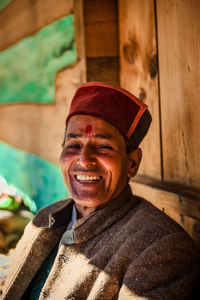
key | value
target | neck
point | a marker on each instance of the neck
(84, 211)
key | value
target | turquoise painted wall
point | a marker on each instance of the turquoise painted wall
(36, 177)
(28, 69)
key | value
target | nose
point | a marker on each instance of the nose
(87, 156)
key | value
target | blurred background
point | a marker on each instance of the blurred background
(47, 49)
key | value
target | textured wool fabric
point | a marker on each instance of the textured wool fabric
(34, 289)
(116, 106)
(128, 249)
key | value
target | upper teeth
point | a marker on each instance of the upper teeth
(87, 178)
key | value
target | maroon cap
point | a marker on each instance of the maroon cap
(114, 105)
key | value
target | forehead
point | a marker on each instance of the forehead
(89, 125)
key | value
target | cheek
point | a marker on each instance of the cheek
(67, 158)
(119, 169)
(64, 157)
(113, 166)
(65, 162)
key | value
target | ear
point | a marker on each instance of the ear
(135, 157)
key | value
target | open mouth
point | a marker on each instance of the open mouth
(87, 178)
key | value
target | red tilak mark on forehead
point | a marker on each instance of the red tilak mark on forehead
(88, 129)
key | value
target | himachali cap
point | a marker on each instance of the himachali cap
(114, 105)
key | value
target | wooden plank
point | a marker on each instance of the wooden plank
(101, 39)
(40, 129)
(179, 61)
(183, 205)
(138, 71)
(190, 225)
(24, 17)
(80, 33)
(100, 11)
(103, 69)
(101, 29)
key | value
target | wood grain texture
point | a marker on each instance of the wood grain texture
(100, 11)
(179, 61)
(183, 207)
(103, 69)
(101, 39)
(101, 30)
(138, 71)
(39, 129)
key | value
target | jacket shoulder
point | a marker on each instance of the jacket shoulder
(150, 218)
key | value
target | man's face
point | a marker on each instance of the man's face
(94, 161)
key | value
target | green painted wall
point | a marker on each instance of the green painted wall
(36, 177)
(28, 69)
(4, 3)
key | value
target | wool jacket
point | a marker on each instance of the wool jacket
(127, 249)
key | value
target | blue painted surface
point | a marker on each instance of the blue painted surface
(38, 178)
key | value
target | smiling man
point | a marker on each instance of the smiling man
(104, 242)
(94, 162)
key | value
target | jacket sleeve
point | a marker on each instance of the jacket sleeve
(32, 249)
(169, 269)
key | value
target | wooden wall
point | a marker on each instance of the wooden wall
(101, 40)
(179, 71)
(160, 63)
(139, 71)
(158, 50)
(169, 31)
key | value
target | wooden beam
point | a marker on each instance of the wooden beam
(101, 39)
(105, 69)
(181, 204)
(100, 11)
(138, 71)
(101, 30)
(179, 64)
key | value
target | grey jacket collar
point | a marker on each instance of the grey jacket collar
(59, 215)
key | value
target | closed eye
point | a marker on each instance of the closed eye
(105, 147)
(74, 146)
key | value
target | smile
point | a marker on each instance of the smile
(87, 178)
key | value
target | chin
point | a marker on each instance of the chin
(89, 202)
